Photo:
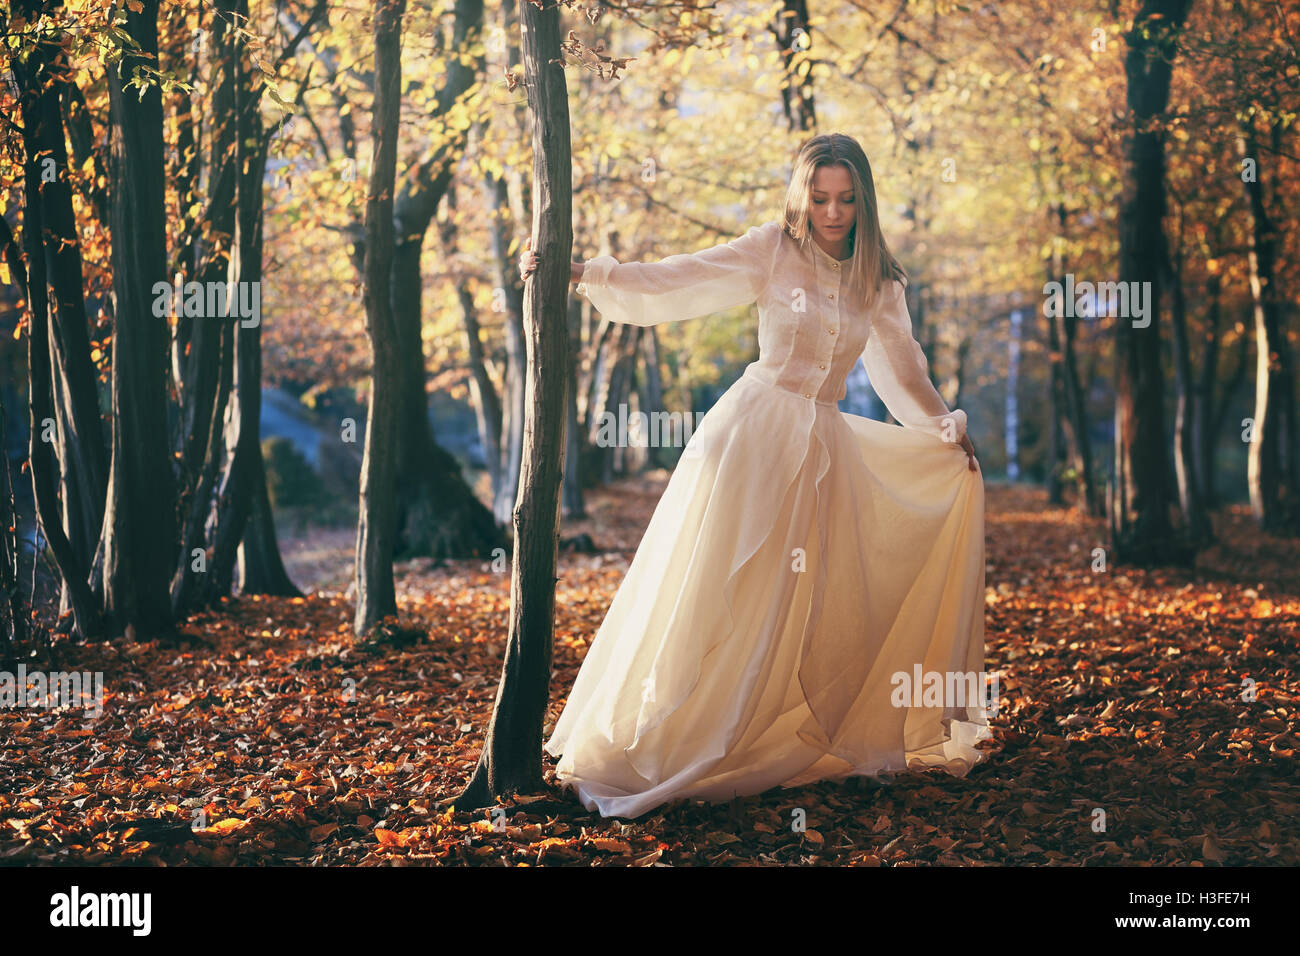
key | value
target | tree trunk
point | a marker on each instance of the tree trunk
(1272, 467)
(261, 570)
(207, 368)
(40, 455)
(572, 505)
(139, 534)
(81, 450)
(1205, 385)
(483, 394)
(437, 511)
(1189, 489)
(13, 615)
(511, 760)
(378, 519)
(244, 414)
(511, 448)
(1141, 529)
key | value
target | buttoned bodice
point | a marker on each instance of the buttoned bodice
(812, 328)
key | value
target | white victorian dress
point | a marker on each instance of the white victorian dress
(799, 559)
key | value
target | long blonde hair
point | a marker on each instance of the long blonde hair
(869, 258)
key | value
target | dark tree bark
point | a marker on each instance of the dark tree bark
(1273, 472)
(13, 613)
(81, 450)
(1142, 530)
(1189, 488)
(140, 516)
(377, 525)
(244, 415)
(1074, 408)
(261, 569)
(1214, 400)
(1205, 386)
(40, 456)
(511, 759)
(208, 368)
(572, 504)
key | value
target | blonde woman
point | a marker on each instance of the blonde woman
(803, 564)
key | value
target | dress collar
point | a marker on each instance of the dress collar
(825, 256)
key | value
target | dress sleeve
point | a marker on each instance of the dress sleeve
(899, 374)
(683, 286)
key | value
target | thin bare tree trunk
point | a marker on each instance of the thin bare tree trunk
(511, 759)
(378, 519)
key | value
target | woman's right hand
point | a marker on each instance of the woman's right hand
(528, 261)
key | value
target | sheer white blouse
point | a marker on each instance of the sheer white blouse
(811, 329)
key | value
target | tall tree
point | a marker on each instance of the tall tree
(378, 518)
(1143, 495)
(511, 759)
(1273, 470)
(140, 513)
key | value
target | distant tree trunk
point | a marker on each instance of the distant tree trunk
(1273, 471)
(1071, 415)
(243, 424)
(1216, 407)
(1056, 395)
(791, 30)
(572, 505)
(1206, 380)
(511, 450)
(377, 525)
(483, 394)
(437, 511)
(511, 759)
(652, 392)
(139, 535)
(208, 367)
(1189, 489)
(1141, 528)
(261, 570)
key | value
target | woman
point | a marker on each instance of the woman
(801, 559)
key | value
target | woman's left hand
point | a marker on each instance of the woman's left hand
(970, 452)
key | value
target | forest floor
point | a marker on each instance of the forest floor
(269, 734)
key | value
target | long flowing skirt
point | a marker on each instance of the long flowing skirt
(802, 568)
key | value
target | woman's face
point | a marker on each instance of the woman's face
(831, 207)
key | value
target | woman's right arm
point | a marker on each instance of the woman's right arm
(681, 286)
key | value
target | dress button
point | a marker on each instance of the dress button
(830, 295)
(807, 395)
(832, 331)
(821, 366)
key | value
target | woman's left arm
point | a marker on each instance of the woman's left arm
(900, 374)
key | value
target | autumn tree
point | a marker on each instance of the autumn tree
(1144, 498)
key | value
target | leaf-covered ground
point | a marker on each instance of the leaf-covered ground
(285, 740)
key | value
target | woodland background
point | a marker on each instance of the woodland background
(374, 168)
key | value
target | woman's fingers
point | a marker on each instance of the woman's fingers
(527, 262)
